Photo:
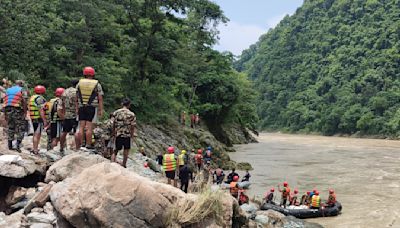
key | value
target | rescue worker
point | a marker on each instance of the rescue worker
(231, 176)
(234, 188)
(293, 198)
(185, 174)
(315, 201)
(199, 159)
(285, 193)
(207, 156)
(331, 198)
(305, 199)
(169, 165)
(247, 176)
(70, 123)
(192, 120)
(219, 175)
(183, 118)
(269, 198)
(124, 130)
(15, 103)
(89, 98)
(182, 159)
(37, 114)
(56, 113)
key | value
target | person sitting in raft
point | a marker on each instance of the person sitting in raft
(269, 197)
(331, 198)
(246, 176)
(315, 201)
(231, 175)
(293, 198)
(305, 199)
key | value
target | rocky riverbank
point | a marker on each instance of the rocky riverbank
(86, 190)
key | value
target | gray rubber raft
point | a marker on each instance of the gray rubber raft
(305, 213)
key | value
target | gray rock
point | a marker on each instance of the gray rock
(11, 221)
(17, 170)
(249, 208)
(72, 165)
(40, 225)
(36, 217)
(15, 194)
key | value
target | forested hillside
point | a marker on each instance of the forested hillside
(156, 52)
(332, 67)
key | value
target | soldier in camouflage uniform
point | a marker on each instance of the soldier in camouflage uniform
(70, 122)
(102, 135)
(15, 107)
(124, 124)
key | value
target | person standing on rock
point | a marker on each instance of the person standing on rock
(70, 123)
(15, 103)
(56, 111)
(199, 159)
(182, 159)
(89, 97)
(169, 166)
(185, 174)
(124, 130)
(37, 114)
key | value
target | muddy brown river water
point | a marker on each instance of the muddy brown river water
(365, 173)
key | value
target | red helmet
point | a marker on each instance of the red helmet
(296, 191)
(199, 151)
(39, 89)
(314, 190)
(331, 191)
(88, 71)
(171, 149)
(285, 184)
(317, 193)
(146, 165)
(59, 92)
(272, 190)
(235, 178)
(308, 192)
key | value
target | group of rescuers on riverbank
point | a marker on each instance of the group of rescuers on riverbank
(75, 110)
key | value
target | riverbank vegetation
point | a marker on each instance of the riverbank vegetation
(158, 53)
(333, 68)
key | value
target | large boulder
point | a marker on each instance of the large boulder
(107, 195)
(72, 165)
(21, 167)
(11, 221)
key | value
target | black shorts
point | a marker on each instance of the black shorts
(55, 130)
(69, 125)
(86, 113)
(122, 142)
(170, 174)
(37, 126)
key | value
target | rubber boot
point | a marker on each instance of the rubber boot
(10, 144)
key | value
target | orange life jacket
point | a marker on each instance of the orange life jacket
(199, 159)
(285, 192)
(234, 189)
(332, 199)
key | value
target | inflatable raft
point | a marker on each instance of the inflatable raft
(244, 185)
(303, 213)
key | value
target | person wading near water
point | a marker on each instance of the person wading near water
(69, 123)
(89, 96)
(15, 109)
(37, 114)
(169, 165)
(124, 130)
(56, 116)
(315, 201)
(285, 193)
(269, 197)
(331, 198)
(185, 174)
(247, 176)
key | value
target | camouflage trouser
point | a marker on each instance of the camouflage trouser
(16, 123)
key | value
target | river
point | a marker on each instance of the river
(365, 174)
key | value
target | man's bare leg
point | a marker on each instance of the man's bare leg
(36, 140)
(126, 154)
(79, 134)
(63, 140)
(89, 132)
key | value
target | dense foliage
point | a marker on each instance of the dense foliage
(157, 52)
(332, 67)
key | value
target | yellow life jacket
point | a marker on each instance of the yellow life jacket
(315, 201)
(51, 110)
(87, 90)
(181, 159)
(169, 162)
(34, 110)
